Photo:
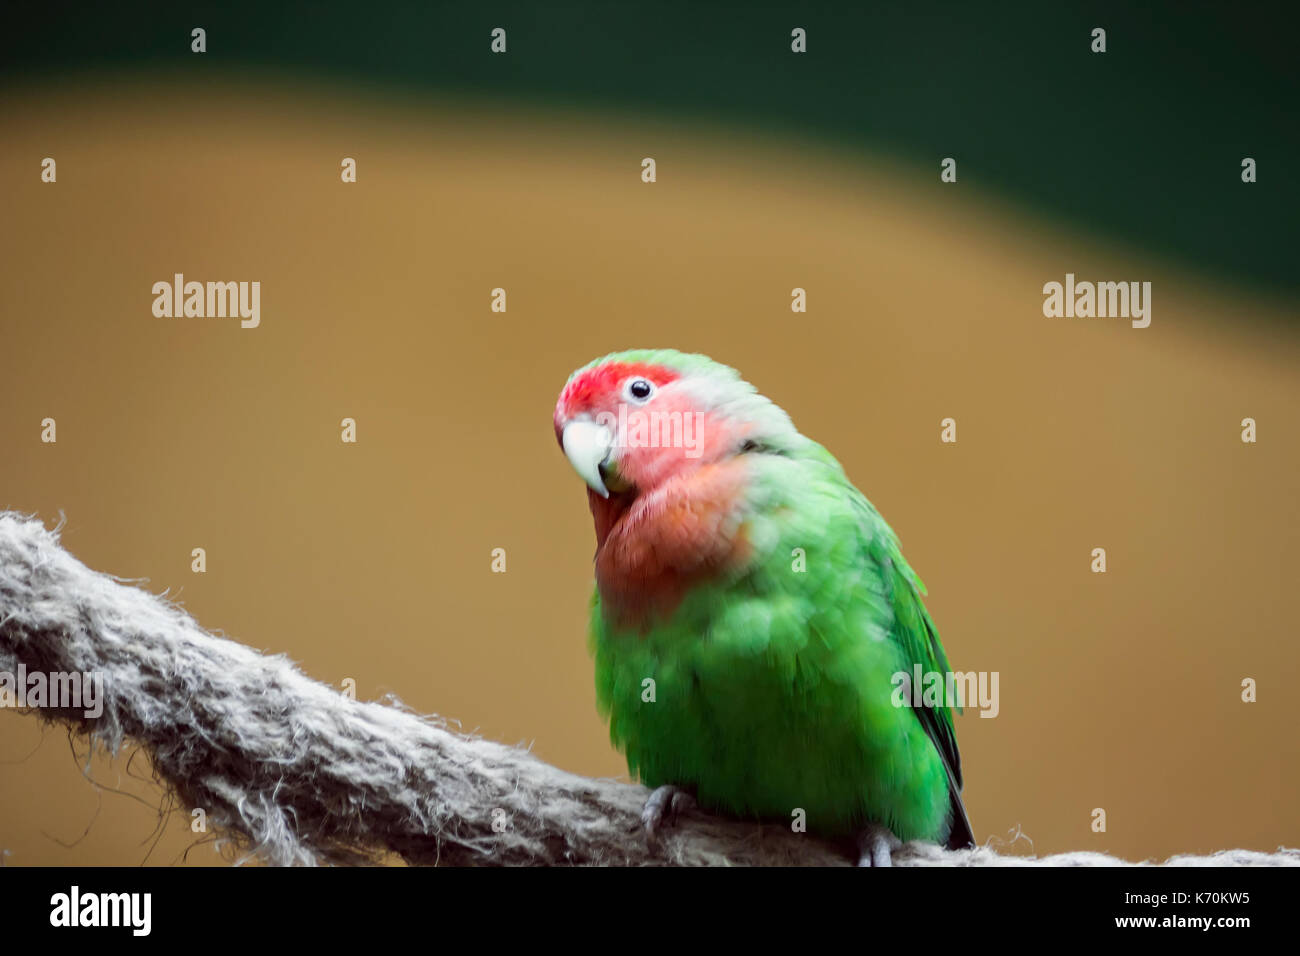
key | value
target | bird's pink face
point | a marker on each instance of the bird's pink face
(628, 427)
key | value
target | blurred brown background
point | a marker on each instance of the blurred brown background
(372, 561)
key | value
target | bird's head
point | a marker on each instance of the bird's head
(632, 421)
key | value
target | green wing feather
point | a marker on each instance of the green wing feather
(917, 636)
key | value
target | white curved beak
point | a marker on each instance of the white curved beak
(587, 446)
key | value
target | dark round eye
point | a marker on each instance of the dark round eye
(639, 389)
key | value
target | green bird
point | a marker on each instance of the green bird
(755, 625)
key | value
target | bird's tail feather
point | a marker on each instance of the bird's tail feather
(960, 835)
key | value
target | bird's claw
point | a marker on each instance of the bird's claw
(876, 844)
(662, 808)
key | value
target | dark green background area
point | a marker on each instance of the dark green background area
(1142, 144)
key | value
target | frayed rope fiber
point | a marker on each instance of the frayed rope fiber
(295, 772)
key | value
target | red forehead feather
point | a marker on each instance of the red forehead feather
(603, 380)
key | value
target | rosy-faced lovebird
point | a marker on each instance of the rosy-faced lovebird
(753, 614)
